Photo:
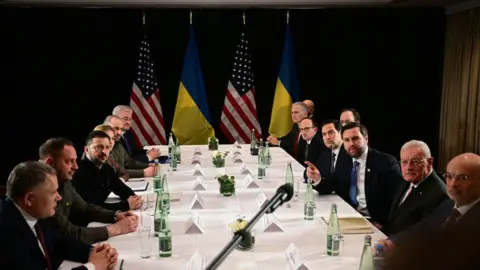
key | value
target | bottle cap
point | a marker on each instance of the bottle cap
(379, 247)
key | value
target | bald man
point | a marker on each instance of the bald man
(310, 107)
(461, 212)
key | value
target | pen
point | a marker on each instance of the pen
(121, 265)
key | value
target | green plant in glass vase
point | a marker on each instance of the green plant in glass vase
(212, 143)
(227, 185)
(248, 238)
(218, 159)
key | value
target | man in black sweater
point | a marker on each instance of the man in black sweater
(95, 179)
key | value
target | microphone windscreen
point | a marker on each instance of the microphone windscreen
(287, 189)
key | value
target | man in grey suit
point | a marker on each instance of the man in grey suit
(61, 155)
(134, 168)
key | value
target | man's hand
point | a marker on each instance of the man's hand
(99, 257)
(312, 172)
(149, 171)
(272, 140)
(112, 254)
(387, 244)
(123, 226)
(153, 153)
(122, 215)
(134, 202)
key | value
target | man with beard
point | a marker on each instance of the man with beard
(95, 179)
(368, 181)
(134, 168)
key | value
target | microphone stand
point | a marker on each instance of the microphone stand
(272, 205)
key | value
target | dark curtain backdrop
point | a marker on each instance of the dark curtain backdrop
(63, 70)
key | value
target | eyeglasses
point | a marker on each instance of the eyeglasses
(413, 162)
(305, 129)
(458, 177)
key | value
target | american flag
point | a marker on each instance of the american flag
(147, 125)
(239, 114)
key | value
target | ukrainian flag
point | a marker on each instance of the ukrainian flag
(286, 92)
(192, 123)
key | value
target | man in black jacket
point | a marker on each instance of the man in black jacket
(27, 242)
(95, 179)
(367, 181)
(421, 192)
(311, 145)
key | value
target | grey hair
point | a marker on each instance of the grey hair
(121, 108)
(301, 104)
(109, 118)
(415, 143)
(26, 176)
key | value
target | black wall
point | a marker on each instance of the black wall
(63, 70)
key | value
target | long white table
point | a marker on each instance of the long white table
(268, 253)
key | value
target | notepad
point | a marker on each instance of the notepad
(138, 186)
(353, 225)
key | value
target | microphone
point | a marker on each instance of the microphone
(284, 194)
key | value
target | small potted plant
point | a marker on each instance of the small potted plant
(227, 185)
(218, 159)
(212, 143)
(248, 240)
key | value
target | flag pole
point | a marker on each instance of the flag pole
(244, 19)
(288, 16)
(191, 16)
(143, 16)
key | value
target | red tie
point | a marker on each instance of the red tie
(42, 242)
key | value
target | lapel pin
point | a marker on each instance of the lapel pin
(368, 169)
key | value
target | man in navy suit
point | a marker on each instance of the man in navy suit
(27, 242)
(367, 180)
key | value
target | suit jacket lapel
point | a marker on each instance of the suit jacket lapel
(398, 197)
(368, 173)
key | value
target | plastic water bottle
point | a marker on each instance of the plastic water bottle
(379, 258)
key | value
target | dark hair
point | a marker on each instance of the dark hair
(96, 134)
(363, 129)
(52, 146)
(26, 176)
(336, 124)
(356, 114)
(314, 123)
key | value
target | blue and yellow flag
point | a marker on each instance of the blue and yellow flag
(286, 92)
(192, 123)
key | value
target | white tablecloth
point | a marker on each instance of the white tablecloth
(268, 253)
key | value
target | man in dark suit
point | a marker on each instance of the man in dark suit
(459, 214)
(126, 113)
(61, 155)
(310, 108)
(95, 179)
(367, 182)
(311, 145)
(349, 116)
(27, 242)
(289, 142)
(421, 192)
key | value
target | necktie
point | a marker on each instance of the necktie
(306, 151)
(450, 222)
(332, 164)
(295, 143)
(127, 144)
(412, 188)
(44, 247)
(353, 184)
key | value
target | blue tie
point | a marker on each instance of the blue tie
(127, 145)
(353, 184)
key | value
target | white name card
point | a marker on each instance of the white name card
(261, 200)
(198, 185)
(197, 202)
(237, 158)
(295, 259)
(271, 223)
(244, 169)
(197, 151)
(196, 160)
(197, 171)
(249, 183)
(197, 262)
(194, 225)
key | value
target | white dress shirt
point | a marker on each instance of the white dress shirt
(361, 195)
(336, 152)
(412, 186)
(464, 209)
(31, 221)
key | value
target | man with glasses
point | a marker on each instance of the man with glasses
(310, 146)
(421, 192)
(135, 169)
(126, 114)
